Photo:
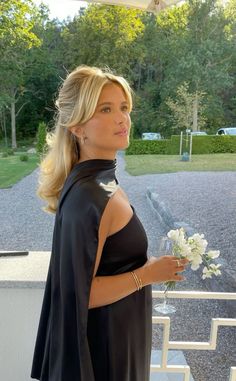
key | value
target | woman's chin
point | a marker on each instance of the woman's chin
(124, 145)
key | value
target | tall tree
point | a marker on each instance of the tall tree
(184, 109)
(16, 38)
(202, 57)
(104, 36)
(43, 74)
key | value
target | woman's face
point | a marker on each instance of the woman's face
(108, 129)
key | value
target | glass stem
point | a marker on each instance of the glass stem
(165, 296)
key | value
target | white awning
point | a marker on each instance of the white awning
(146, 5)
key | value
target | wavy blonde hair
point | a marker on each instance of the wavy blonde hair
(76, 104)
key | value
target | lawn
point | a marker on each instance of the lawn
(144, 164)
(12, 169)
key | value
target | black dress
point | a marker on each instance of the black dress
(75, 343)
(120, 333)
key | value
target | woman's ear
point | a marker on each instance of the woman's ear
(76, 130)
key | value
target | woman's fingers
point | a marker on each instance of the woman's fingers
(180, 265)
(179, 277)
(180, 269)
(181, 262)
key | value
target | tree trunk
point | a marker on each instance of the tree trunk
(13, 120)
(195, 113)
(139, 76)
(4, 127)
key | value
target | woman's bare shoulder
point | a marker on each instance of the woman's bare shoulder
(117, 213)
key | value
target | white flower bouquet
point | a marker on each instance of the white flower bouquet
(194, 249)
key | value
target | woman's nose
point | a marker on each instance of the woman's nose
(120, 117)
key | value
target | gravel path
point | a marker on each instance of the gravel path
(206, 201)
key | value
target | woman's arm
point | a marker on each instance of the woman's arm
(109, 289)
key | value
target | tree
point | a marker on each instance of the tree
(44, 72)
(187, 109)
(202, 56)
(103, 36)
(41, 137)
(16, 38)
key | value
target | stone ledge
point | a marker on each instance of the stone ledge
(24, 271)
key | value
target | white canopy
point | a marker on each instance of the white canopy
(146, 5)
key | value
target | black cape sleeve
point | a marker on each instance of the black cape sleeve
(61, 350)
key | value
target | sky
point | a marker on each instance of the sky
(61, 9)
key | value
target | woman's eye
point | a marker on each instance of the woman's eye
(125, 108)
(106, 109)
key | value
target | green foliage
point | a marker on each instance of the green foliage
(200, 145)
(184, 106)
(173, 145)
(5, 154)
(10, 152)
(105, 36)
(24, 157)
(151, 147)
(192, 43)
(41, 137)
(204, 145)
(17, 19)
(223, 144)
(12, 169)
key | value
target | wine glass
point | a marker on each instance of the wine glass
(165, 248)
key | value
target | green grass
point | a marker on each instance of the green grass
(12, 169)
(144, 164)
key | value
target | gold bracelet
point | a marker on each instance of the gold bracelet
(137, 280)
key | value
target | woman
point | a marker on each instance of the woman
(95, 323)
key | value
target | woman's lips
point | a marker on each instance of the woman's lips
(123, 132)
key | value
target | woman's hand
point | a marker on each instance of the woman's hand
(162, 269)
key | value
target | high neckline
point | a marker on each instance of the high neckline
(96, 164)
(92, 168)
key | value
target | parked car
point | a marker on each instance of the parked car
(227, 131)
(151, 136)
(198, 133)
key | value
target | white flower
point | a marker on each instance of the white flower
(198, 243)
(176, 235)
(184, 250)
(215, 269)
(206, 273)
(213, 254)
(195, 262)
(194, 249)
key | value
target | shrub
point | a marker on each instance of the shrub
(149, 147)
(24, 157)
(173, 145)
(223, 144)
(5, 154)
(10, 152)
(41, 137)
(200, 145)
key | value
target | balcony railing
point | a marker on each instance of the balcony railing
(210, 345)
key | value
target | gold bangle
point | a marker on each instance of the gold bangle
(137, 280)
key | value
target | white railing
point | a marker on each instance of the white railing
(210, 345)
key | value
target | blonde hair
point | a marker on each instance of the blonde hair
(76, 104)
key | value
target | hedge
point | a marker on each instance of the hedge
(200, 145)
(41, 137)
(150, 147)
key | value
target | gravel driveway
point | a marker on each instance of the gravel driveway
(204, 200)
